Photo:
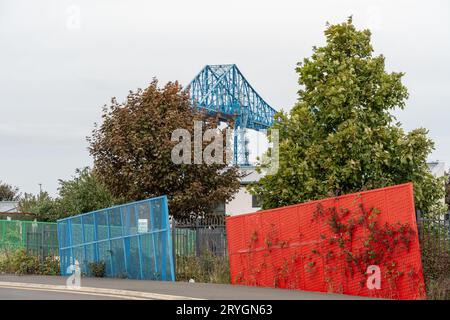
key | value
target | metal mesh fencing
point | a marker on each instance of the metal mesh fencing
(37, 238)
(328, 245)
(434, 236)
(195, 236)
(132, 240)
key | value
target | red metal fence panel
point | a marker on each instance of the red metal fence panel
(332, 245)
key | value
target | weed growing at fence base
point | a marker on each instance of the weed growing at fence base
(207, 268)
(19, 262)
(438, 289)
(436, 265)
(97, 269)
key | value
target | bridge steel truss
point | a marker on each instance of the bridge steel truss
(222, 90)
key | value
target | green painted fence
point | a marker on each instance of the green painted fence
(184, 242)
(38, 238)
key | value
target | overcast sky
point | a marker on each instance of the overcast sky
(61, 61)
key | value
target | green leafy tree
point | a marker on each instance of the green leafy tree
(42, 206)
(8, 192)
(83, 193)
(132, 152)
(341, 137)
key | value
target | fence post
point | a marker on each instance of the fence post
(197, 239)
(448, 224)
(24, 235)
(42, 243)
(174, 244)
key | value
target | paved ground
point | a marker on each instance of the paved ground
(161, 290)
(26, 294)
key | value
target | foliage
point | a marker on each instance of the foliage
(435, 252)
(447, 189)
(438, 289)
(380, 245)
(132, 152)
(43, 206)
(83, 193)
(8, 192)
(50, 266)
(341, 136)
(97, 269)
(20, 262)
(208, 268)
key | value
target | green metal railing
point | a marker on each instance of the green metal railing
(37, 238)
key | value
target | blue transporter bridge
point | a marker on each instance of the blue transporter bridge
(222, 90)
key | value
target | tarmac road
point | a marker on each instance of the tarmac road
(27, 294)
(53, 287)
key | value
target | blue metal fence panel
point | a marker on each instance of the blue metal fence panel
(133, 240)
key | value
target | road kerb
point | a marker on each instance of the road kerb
(96, 291)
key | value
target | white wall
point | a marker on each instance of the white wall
(438, 169)
(242, 203)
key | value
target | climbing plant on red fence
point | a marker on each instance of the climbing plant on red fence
(338, 245)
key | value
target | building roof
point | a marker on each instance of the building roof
(437, 168)
(250, 175)
(11, 209)
(9, 206)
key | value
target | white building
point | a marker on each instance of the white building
(437, 168)
(243, 201)
(9, 206)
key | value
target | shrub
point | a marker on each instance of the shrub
(438, 289)
(97, 269)
(436, 265)
(207, 268)
(50, 266)
(19, 262)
